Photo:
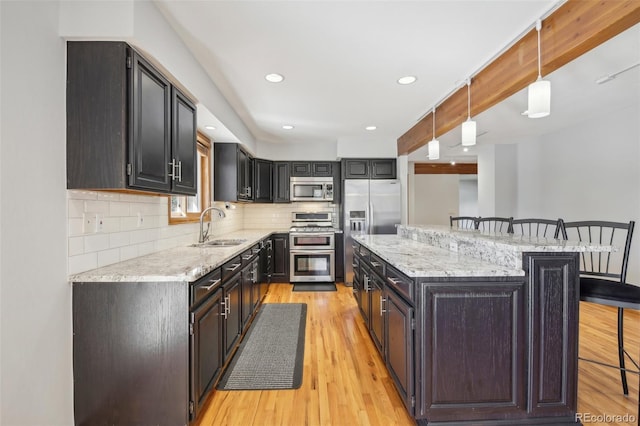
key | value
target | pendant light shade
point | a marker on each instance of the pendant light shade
(539, 99)
(434, 149)
(434, 145)
(469, 133)
(469, 126)
(539, 93)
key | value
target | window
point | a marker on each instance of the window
(184, 208)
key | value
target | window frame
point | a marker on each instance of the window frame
(203, 144)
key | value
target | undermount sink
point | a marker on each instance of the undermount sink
(221, 243)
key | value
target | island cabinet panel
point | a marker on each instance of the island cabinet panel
(473, 337)
(554, 342)
(131, 353)
(399, 345)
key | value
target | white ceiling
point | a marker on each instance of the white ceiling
(341, 60)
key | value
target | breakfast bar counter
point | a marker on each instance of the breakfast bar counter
(474, 328)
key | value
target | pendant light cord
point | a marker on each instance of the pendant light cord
(433, 136)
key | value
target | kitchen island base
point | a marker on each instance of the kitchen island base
(493, 349)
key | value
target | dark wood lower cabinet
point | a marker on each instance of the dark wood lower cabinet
(233, 321)
(478, 350)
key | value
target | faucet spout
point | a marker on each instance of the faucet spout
(204, 235)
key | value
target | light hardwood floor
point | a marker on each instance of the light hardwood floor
(345, 381)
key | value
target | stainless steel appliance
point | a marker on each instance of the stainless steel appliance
(369, 207)
(312, 247)
(311, 188)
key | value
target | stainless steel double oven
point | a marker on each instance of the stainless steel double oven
(312, 247)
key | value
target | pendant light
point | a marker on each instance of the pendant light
(434, 145)
(539, 90)
(469, 126)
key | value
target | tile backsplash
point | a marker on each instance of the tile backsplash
(135, 225)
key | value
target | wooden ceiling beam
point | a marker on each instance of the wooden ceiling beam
(572, 30)
(445, 169)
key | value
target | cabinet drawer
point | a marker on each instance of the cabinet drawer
(377, 264)
(231, 268)
(402, 284)
(364, 253)
(356, 266)
(248, 255)
(204, 287)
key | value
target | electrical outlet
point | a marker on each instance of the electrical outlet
(140, 220)
(99, 222)
(92, 223)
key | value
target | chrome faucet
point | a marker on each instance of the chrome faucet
(204, 235)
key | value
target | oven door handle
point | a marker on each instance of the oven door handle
(311, 251)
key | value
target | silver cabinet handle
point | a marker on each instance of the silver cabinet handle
(179, 171)
(224, 311)
(227, 305)
(393, 280)
(234, 267)
(213, 284)
(355, 265)
(375, 264)
(366, 283)
(247, 256)
(382, 301)
(172, 172)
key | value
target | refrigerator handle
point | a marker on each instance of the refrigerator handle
(370, 229)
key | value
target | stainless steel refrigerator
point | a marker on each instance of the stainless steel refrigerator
(369, 207)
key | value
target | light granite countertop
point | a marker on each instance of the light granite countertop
(183, 264)
(417, 259)
(439, 251)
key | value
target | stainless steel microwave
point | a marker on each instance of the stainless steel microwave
(311, 189)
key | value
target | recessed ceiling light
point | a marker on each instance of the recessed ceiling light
(407, 79)
(274, 78)
(287, 126)
(370, 128)
(453, 163)
(210, 127)
(465, 149)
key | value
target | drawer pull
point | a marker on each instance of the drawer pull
(393, 280)
(247, 256)
(375, 264)
(213, 284)
(355, 265)
(233, 267)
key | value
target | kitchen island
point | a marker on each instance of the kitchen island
(474, 328)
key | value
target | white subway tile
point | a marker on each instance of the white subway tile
(82, 195)
(75, 227)
(111, 224)
(119, 239)
(76, 208)
(108, 257)
(118, 208)
(96, 207)
(129, 223)
(82, 263)
(96, 242)
(128, 252)
(108, 196)
(76, 246)
(146, 248)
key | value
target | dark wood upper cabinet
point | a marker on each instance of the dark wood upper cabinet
(263, 180)
(311, 168)
(364, 168)
(232, 173)
(127, 126)
(281, 182)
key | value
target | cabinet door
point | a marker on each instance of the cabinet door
(299, 168)
(281, 182)
(247, 294)
(233, 322)
(149, 148)
(339, 257)
(376, 320)
(280, 258)
(356, 168)
(206, 349)
(554, 284)
(383, 168)
(365, 297)
(256, 285)
(473, 350)
(244, 174)
(263, 181)
(184, 145)
(399, 340)
(322, 169)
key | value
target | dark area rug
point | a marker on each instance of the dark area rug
(272, 353)
(314, 287)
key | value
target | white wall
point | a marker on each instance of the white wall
(587, 171)
(36, 363)
(468, 195)
(297, 151)
(506, 180)
(433, 199)
(486, 180)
